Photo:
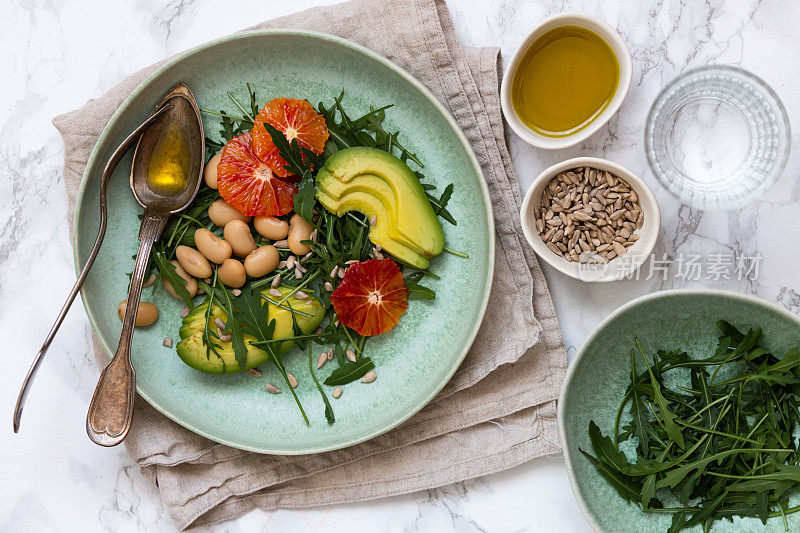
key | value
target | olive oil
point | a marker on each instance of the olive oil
(564, 80)
(168, 171)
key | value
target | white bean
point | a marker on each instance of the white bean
(193, 262)
(299, 230)
(273, 228)
(210, 172)
(221, 212)
(212, 247)
(232, 273)
(261, 261)
(145, 315)
(237, 233)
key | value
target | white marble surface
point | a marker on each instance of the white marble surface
(59, 53)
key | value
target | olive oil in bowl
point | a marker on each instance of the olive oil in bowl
(564, 80)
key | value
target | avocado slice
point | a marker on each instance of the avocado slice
(407, 215)
(371, 206)
(192, 350)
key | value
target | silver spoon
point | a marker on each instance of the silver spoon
(113, 161)
(111, 410)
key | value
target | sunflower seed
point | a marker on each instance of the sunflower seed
(275, 292)
(333, 271)
(554, 249)
(298, 273)
(149, 281)
(226, 337)
(588, 210)
(337, 392)
(281, 244)
(369, 377)
(290, 262)
(185, 312)
(341, 273)
(351, 262)
(330, 353)
(300, 295)
(255, 372)
(167, 342)
(322, 359)
(276, 281)
(219, 323)
(351, 355)
(328, 286)
(373, 220)
(292, 380)
(272, 389)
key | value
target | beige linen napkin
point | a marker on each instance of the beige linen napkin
(498, 410)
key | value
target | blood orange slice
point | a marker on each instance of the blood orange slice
(297, 119)
(248, 183)
(371, 297)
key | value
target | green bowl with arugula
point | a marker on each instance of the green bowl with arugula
(413, 361)
(707, 435)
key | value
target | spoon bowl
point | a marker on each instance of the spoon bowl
(181, 125)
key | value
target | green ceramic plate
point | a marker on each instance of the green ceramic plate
(597, 378)
(414, 361)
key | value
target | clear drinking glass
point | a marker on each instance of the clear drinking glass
(717, 137)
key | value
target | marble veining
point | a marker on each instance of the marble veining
(61, 52)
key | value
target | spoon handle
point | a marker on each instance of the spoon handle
(113, 161)
(111, 410)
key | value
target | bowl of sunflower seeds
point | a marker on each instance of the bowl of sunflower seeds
(591, 219)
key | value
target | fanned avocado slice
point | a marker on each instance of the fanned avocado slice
(402, 209)
(192, 349)
(379, 234)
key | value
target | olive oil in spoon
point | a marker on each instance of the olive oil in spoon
(168, 170)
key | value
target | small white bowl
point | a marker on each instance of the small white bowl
(619, 47)
(617, 268)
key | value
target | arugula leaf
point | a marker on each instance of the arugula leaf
(328, 408)
(304, 198)
(167, 272)
(640, 421)
(252, 311)
(788, 363)
(605, 449)
(441, 203)
(667, 417)
(350, 372)
(678, 522)
(301, 162)
(648, 489)
(624, 485)
(418, 292)
(210, 336)
(233, 327)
